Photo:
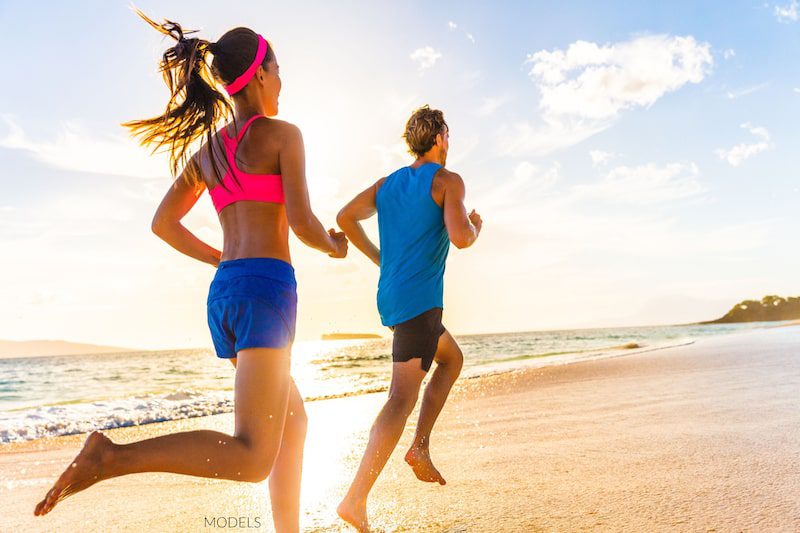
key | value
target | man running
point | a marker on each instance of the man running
(420, 212)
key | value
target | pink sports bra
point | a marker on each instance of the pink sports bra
(245, 186)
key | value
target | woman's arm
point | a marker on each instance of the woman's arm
(180, 198)
(361, 208)
(298, 207)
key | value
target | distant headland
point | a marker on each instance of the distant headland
(770, 308)
(42, 348)
(348, 336)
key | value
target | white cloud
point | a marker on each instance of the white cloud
(737, 154)
(393, 155)
(738, 93)
(788, 12)
(452, 26)
(489, 105)
(425, 57)
(729, 53)
(584, 88)
(597, 82)
(630, 211)
(77, 148)
(797, 90)
(645, 184)
(389, 150)
(523, 138)
(470, 78)
(600, 158)
(461, 150)
(526, 181)
(536, 178)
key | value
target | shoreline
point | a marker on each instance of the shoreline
(511, 364)
(113, 350)
(696, 437)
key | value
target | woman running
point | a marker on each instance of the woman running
(254, 170)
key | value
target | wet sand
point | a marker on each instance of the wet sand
(704, 437)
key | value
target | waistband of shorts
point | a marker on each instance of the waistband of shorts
(263, 267)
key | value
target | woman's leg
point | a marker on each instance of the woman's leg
(261, 396)
(284, 480)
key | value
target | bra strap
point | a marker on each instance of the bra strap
(247, 125)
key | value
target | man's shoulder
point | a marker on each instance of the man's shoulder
(376, 187)
(448, 177)
(402, 173)
(402, 170)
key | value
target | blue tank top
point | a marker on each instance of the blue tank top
(414, 245)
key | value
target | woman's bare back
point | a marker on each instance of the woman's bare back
(250, 229)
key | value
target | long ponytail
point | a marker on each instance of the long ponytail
(195, 106)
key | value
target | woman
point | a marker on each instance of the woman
(253, 168)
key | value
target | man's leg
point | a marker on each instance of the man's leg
(386, 432)
(449, 361)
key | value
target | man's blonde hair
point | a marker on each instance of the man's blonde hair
(422, 128)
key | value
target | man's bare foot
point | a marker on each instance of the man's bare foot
(84, 471)
(420, 461)
(354, 514)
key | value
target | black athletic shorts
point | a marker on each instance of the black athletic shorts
(418, 338)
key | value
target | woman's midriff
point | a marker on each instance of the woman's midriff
(255, 229)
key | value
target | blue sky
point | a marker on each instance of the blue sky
(635, 162)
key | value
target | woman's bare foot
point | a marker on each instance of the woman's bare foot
(354, 514)
(85, 470)
(420, 461)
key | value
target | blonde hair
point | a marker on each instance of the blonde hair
(422, 128)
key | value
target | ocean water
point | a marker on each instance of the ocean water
(62, 395)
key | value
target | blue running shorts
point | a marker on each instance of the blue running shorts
(252, 303)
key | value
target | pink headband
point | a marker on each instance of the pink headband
(242, 81)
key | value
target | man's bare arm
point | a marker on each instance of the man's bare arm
(349, 219)
(462, 229)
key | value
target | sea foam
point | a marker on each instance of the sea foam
(58, 420)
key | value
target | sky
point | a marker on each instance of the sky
(634, 163)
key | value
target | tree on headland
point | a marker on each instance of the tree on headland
(770, 308)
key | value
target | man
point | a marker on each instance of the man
(420, 212)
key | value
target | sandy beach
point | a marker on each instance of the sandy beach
(704, 437)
